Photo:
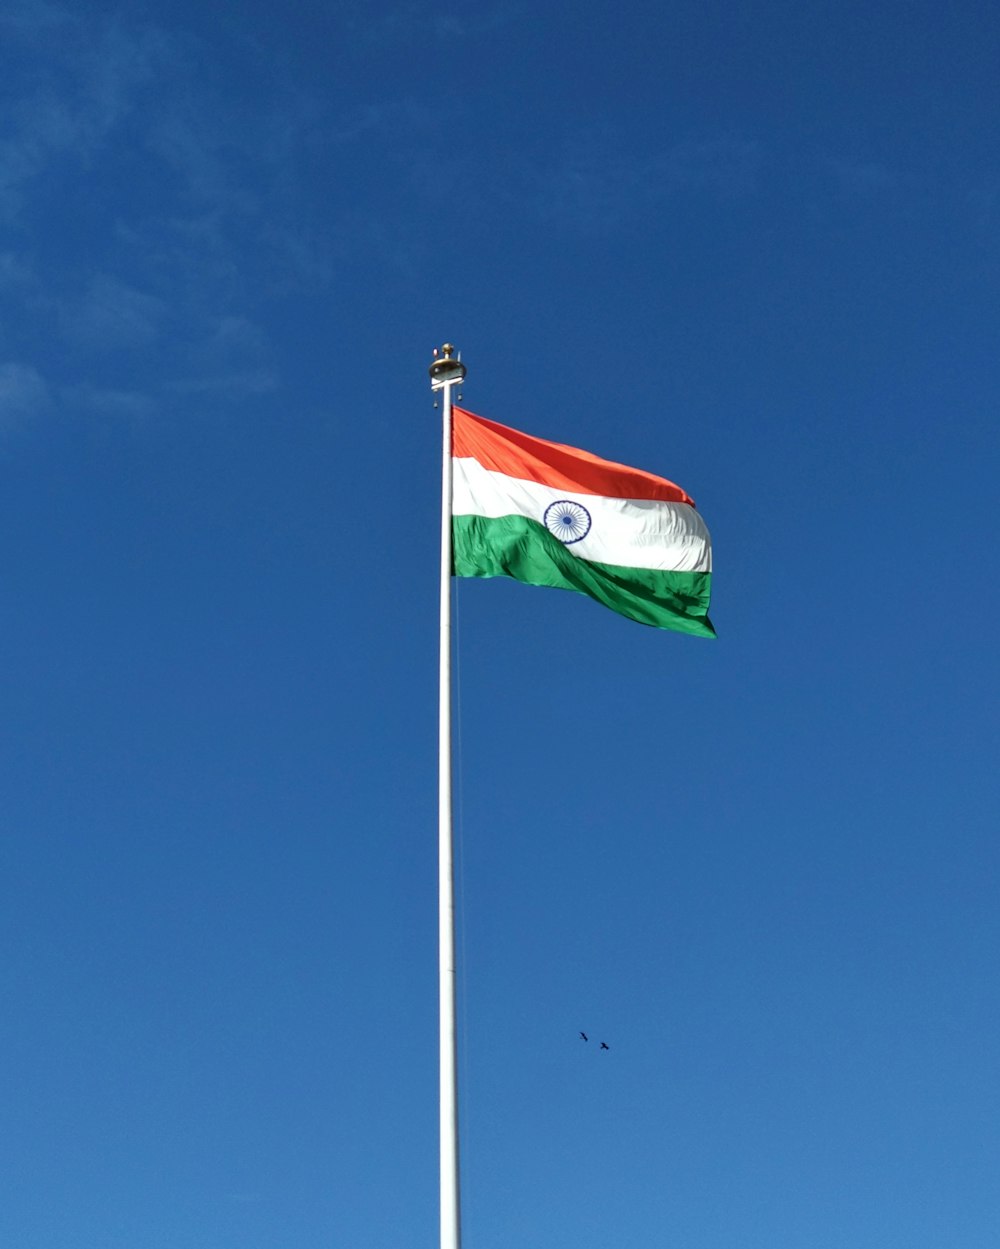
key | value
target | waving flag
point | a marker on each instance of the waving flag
(552, 515)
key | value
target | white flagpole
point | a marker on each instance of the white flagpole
(447, 371)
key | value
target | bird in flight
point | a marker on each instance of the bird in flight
(584, 1035)
(605, 1047)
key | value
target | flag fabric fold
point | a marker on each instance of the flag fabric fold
(552, 515)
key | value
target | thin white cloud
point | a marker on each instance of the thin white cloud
(23, 392)
(190, 145)
(15, 272)
(238, 384)
(31, 17)
(188, 206)
(236, 334)
(164, 279)
(71, 90)
(110, 315)
(419, 23)
(387, 117)
(118, 404)
(598, 183)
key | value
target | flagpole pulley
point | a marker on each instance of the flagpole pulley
(446, 367)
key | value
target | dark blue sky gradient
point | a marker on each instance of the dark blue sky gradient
(754, 251)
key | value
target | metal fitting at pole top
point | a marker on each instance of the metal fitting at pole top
(446, 367)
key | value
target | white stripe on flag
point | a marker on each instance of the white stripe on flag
(629, 533)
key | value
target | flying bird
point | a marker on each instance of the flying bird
(584, 1035)
(605, 1047)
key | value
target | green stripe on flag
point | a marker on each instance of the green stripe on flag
(514, 546)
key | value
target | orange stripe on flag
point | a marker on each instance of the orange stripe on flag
(504, 450)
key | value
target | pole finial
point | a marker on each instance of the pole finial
(446, 367)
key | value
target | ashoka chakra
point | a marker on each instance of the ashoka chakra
(566, 520)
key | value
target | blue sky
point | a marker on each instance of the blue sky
(754, 251)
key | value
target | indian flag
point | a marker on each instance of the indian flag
(548, 514)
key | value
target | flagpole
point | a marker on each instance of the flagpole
(446, 371)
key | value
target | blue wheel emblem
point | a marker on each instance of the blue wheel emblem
(567, 521)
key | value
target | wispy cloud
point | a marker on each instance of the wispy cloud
(23, 392)
(128, 405)
(31, 17)
(238, 384)
(173, 207)
(412, 22)
(15, 272)
(108, 315)
(161, 208)
(73, 83)
(599, 181)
